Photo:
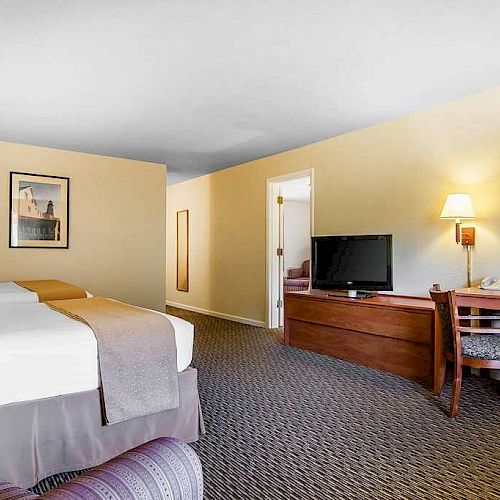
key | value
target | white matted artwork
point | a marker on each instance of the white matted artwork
(39, 211)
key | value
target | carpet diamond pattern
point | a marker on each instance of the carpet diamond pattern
(289, 424)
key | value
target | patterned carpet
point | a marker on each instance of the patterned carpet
(289, 424)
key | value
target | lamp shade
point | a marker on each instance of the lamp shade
(458, 206)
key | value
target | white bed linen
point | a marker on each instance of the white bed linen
(12, 293)
(44, 353)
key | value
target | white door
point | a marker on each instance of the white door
(280, 254)
(275, 243)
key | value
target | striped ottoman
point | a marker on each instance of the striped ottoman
(165, 468)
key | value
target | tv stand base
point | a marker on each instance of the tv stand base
(351, 294)
(388, 332)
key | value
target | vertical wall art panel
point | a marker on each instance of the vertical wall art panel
(183, 250)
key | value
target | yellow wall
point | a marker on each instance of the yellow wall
(390, 178)
(117, 224)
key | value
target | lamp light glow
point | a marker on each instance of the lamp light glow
(458, 206)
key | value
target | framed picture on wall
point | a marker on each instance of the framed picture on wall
(183, 251)
(39, 211)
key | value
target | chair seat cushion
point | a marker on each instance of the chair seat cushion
(481, 346)
(303, 282)
(294, 272)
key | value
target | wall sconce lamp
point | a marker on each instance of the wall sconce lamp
(458, 206)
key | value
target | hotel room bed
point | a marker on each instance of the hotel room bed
(12, 293)
(59, 351)
(50, 403)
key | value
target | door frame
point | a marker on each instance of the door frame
(272, 239)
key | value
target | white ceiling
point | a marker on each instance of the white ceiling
(203, 84)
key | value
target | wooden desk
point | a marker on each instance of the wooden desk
(466, 297)
(476, 297)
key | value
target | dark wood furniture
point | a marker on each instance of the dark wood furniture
(451, 343)
(477, 297)
(466, 298)
(388, 332)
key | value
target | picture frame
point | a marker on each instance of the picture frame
(39, 211)
(183, 251)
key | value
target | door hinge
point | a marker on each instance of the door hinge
(279, 303)
(279, 252)
(279, 200)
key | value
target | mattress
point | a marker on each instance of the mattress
(11, 293)
(44, 353)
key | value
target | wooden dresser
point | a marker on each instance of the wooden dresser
(388, 332)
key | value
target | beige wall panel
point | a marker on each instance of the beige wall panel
(390, 178)
(117, 224)
(199, 244)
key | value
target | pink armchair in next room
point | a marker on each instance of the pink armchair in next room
(297, 278)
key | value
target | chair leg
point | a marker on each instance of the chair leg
(442, 376)
(457, 387)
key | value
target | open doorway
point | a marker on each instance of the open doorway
(289, 230)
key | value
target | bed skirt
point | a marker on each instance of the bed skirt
(65, 433)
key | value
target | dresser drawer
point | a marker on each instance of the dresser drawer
(404, 324)
(408, 359)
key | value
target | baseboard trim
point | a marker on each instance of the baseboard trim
(216, 314)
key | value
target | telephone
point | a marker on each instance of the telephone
(490, 283)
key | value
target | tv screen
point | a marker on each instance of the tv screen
(352, 262)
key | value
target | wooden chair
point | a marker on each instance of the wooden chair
(477, 351)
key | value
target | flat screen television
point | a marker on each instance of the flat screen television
(352, 262)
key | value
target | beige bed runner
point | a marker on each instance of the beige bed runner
(137, 356)
(53, 289)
